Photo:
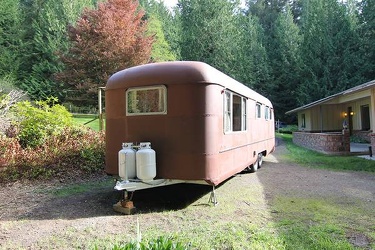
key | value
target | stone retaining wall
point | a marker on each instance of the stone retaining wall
(329, 143)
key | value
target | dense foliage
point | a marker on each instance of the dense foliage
(34, 124)
(104, 41)
(42, 35)
(292, 51)
(43, 143)
(72, 153)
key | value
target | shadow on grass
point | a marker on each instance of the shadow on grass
(99, 202)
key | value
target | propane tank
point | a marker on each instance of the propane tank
(126, 162)
(146, 162)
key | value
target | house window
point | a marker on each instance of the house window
(303, 121)
(146, 101)
(234, 112)
(258, 112)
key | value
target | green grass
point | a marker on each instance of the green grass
(81, 188)
(315, 223)
(89, 119)
(312, 158)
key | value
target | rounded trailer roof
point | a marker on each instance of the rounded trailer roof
(178, 72)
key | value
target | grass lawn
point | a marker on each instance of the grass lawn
(310, 158)
(87, 120)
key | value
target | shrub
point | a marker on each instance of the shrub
(74, 152)
(37, 123)
(289, 129)
(7, 100)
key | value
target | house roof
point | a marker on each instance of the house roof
(355, 89)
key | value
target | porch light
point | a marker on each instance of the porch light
(345, 114)
(352, 113)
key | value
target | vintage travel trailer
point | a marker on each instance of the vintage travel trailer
(183, 122)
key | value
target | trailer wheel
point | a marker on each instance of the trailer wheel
(260, 160)
(253, 167)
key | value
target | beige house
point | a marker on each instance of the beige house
(351, 111)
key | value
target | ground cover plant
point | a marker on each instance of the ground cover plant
(315, 159)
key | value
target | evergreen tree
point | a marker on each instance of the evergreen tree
(267, 11)
(286, 64)
(251, 62)
(9, 38)
(368, 38)
(209, 32)
(161, 51)
(329, 50)
(164, 26)
(44, 34)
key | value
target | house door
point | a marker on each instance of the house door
(365, 117)
(350, 120)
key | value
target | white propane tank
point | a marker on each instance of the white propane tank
(146, 162)
(126, 162)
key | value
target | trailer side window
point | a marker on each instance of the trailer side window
(266, 112)
(244, 114)
(234, 112)
(227, 112)
(146, 101)
(258, 112)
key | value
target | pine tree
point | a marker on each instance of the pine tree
(44, 34)
(251, 62)
(165, 27)
(368, 38)
(209, 32)
(286, 64)
(9, 38)
(329, 50)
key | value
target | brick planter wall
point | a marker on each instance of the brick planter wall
(329, 143)
(364, 135)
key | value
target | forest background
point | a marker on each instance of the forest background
(292, 51)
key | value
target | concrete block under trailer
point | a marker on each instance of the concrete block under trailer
(203, 125)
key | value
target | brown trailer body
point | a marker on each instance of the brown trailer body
(202, 124)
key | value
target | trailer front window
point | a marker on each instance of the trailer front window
(146, 101)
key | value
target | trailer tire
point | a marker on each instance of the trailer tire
(253, 167)
(260, 160)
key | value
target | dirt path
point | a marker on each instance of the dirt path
(33, 218)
